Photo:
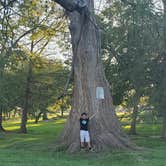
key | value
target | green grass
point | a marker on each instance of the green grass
(37, 148)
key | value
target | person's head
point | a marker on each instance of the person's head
(84, 115)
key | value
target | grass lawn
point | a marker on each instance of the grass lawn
(37, 148)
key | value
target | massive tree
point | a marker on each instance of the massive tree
(88, 70)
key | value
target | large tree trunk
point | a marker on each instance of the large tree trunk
(105, 130)
(23, 128)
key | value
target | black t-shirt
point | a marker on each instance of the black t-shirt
(84, 124)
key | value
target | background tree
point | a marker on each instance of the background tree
(159, 74)
(129, 50)
(36, 17)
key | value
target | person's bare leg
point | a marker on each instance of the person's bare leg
(89, 144)
(82, 144)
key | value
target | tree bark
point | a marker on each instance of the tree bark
(105, 130)
(1, 120)
(62, 107)
(45, 115)
(72, 5)
(23, 128)
(134, 120)
(37, 117)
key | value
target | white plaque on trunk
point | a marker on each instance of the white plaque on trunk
(99, 93)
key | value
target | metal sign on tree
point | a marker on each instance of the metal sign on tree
(99, 93)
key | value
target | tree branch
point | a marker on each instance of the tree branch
(24, 34)
(72, 5)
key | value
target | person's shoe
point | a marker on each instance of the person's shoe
(91, 149)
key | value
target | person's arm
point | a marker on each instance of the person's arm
(92, 116)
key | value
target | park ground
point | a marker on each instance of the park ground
(37, 148)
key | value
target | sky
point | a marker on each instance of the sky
(99, 4)
(158, 4)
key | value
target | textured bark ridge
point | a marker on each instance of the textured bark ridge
(105, 130)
